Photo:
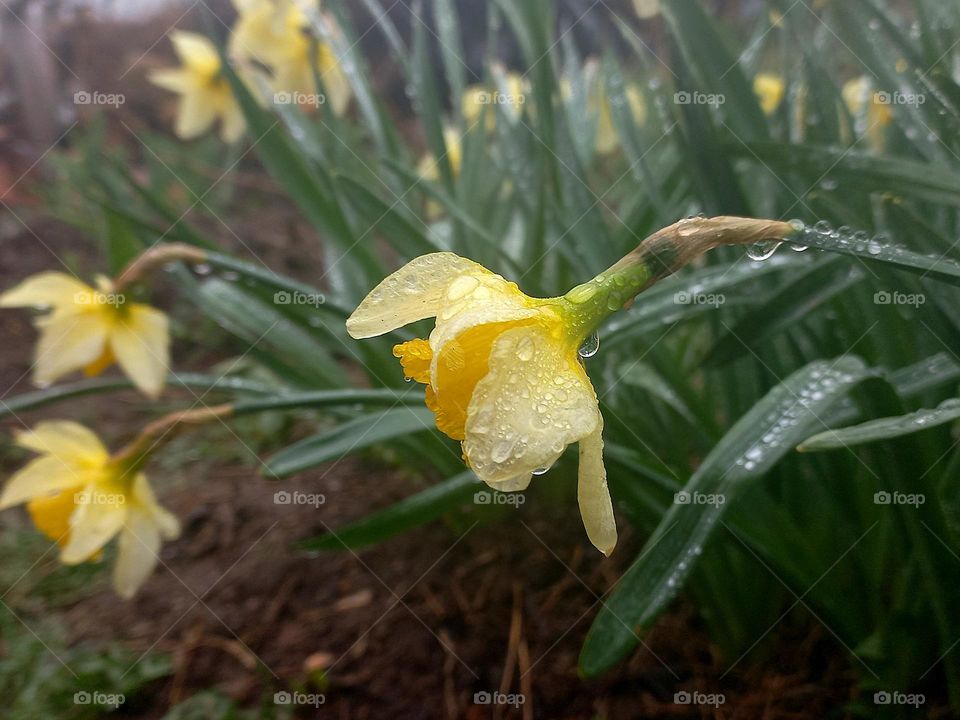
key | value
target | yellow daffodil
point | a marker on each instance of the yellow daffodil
(80, 497)
(646, 9)
(769, 88)
(476, 98)
(606, 139)
(276, 34)
(502, 371)
(429, 167)
(869, 109)
(89, 328)
(205, 94)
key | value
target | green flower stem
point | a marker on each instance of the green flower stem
(659, 256)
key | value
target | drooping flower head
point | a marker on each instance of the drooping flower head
(205, 93)
(769, 89)
(89, 329)
(276, 34)
(502, 372)
(80, 497)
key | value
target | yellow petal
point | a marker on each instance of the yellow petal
(52, 289)
(233, 123)
(100, 514)
(534, 401)
(137, 553)
(412, 293)
(196, 114)
(40, 477)
(195, 50)
(596, 508)
(415, 356)
(69, 342)
(769, 88)
(142, 497)
(173, 79)
(51, 515)
(140, 340)
(67, 440)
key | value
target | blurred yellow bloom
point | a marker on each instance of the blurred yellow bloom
(81, 499)
(276, 34)
(770, 89)
(646, 9)
(89, 328)
(205, 94)
(607, 139)
(476, 98)
(429, 168)
(867, 106)
(503, 374)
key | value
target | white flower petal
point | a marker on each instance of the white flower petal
(596, 508)
(412, 293)
(534, 401)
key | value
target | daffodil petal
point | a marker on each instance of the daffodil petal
(99, 516)
(41, 476)
(233, 123)
(517, 484)
(45, 289)
(143, 497)
(412, 293)
(193, 47)
(173, 79)
(195, 115)
(137, 553)
(66, 440)
(141, 343)
(68, 342)
(534, 401)
(596, 508)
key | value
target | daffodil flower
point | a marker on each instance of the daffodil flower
(477, 98)
(89, 329)
(868, 109)
(205, 93)
(429, 166)
(82, 498)
(597, 101)
(502, 370)
(769, 89)
(276, 34)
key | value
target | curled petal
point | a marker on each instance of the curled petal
(596, 508)
(534, 401)
(412, 293)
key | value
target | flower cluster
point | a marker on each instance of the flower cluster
(276, 52)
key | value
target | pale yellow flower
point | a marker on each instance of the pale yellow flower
(865, 105)
(769, 88)
(276, 34)
(80, 498)
(606, 139)
(429, 168)
(89, 328)
(478, 99)
(205, 93)
(646, 9)
(503, 374)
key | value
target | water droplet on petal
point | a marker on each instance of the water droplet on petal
(590, 346)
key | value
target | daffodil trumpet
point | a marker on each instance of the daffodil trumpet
(502, 370)
(81, 496)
